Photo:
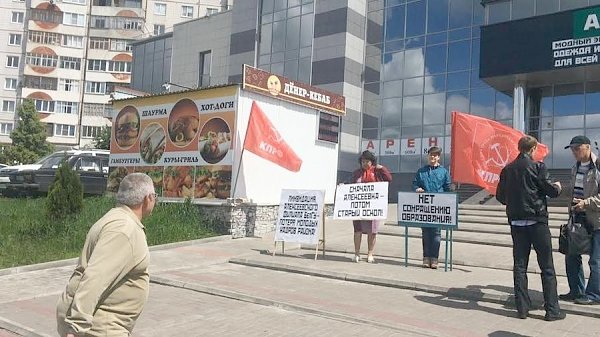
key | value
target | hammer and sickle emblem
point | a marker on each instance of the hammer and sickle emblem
(497, 158)
(275, 135)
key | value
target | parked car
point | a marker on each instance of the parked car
(3, 166)
(92, 170)
(6, 171)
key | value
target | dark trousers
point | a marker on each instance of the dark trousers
(431, 238)
(524, 237)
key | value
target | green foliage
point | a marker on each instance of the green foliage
(65, 196)
(102, 140)
(29, 137)
(29, 236)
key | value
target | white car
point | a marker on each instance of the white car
(5, 171)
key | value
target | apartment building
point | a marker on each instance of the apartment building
(11, 42)
(73, 53)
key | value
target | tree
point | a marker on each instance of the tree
(102, 139)
(29, 137)
(65, 195)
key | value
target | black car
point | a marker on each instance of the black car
(92, 170)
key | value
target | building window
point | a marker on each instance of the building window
(160, 9)
(44, 37)
(39, 82)
(67, 62)
(159, 29)
(6, 128)
(90, 131)
(187, 11)
(119, 67)
(65, 84)
(64, 107)
(106, 3)
(204, 69)
(73, 19)
(99, 22)
(44, 106)
(72, 41)
(94, 109)
(120, 45)
(96, 88)
(45, 15)
(97, 65)
(48, 61)
(12, 62)
(211, 11)
(79, 2)
(8, 106)
(14, 39)
(17, 17)
(286, 37)
(10, 83)
(99, 43)
(130, 24)
(64, 130)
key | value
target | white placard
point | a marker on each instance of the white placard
(428, 208)
(299, 218)
(365, 201)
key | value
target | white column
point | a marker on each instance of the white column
(519, 106)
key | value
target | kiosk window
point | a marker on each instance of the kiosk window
(329, 127)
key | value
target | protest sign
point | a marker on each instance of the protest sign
(365, 201)
(428, 208)
(299, 218)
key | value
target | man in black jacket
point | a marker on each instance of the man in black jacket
(523, 187)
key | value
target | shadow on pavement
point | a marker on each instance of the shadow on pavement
(506, 334)
(468, 299)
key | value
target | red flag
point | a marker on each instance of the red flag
(481, 148)
(264, 140)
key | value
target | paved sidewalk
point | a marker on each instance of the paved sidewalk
(382, 299)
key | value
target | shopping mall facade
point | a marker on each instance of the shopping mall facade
(405, 65)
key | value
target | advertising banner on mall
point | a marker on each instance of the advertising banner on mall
(557, 41)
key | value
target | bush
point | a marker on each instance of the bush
(65, 195)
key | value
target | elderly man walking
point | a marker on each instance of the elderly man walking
(107, 291)
(523, 187)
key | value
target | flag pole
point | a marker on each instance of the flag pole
(237, 174)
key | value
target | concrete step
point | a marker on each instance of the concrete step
(480, 238)
(499, 221)
(502, 214)
(503, 229)
(388, 273)
(562, 210)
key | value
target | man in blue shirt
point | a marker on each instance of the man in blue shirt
(432, 178)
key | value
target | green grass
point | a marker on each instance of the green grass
(27, 236)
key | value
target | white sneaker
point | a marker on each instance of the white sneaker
(370, 259)
(356, 258)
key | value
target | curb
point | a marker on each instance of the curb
(282, 305)
(19, 329)
(72, 261)
(531, 268)
(458, 293)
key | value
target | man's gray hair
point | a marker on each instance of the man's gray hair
(134, 188)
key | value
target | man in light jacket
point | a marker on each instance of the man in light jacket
(109, 287)
(585, 202)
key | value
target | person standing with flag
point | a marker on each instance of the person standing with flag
(368, 172)
(432, 177)
(523, 187)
